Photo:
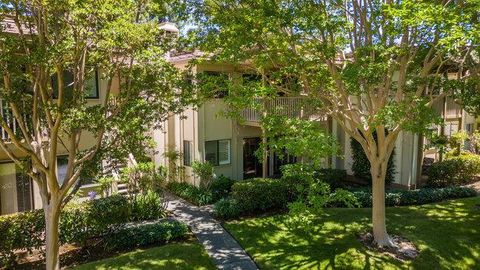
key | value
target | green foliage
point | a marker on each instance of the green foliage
(457, 141)
(20, 231)
(142, 235)
(454, 171)
(79, 222)
(221, 187)
(361, 164)
(205, 171)
(143, 177)
(258, 195)
(148, 206)
(414, 197)
(298, 137)
(191, 193)
(336, 178)
(226, 209)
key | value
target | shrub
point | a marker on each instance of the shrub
(191, 193)
(455, 171)
(204, 170)
(361, 164)
(221, 187)
(226, 209)
(414, 197)
(147, 206)
(336, 178)
(143, 177)
(78, 222)
(260, 194)
(20, 231)
(144, 234)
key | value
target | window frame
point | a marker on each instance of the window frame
(217, 152)
(96, 96)
(190, 146)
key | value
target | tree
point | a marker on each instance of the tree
(375, 67)
(49, 50)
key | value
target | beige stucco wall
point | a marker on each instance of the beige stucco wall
(8, 196)
(8, 190)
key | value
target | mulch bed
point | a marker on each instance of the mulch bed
(405, 250)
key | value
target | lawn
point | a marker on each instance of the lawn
(447, 235)
(182, 256)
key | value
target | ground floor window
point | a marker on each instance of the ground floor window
(218, 152)
(187, 153)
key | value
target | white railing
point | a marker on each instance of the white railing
(293, 107)
(6, 114)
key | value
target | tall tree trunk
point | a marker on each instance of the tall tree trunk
(52, 219)
(378, 171)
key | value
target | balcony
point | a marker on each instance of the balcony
(6, 114)
(292, 107)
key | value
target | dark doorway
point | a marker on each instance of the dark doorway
(252, 167)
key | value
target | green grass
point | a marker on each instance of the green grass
(169, 257)
(447, 235)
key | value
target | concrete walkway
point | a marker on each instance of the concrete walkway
(219, 244)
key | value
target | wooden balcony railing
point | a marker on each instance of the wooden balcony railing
(292, 107)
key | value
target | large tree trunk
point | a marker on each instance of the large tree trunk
(378, 171)
(52, 219)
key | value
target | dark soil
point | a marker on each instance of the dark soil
(405, 250)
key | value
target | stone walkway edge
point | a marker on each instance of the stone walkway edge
(224, 250)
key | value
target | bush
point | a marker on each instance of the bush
(146, 234)
(221, 187)
(226, 209)
(78, 222)
(191, 193)
(414, 197)
(455, 171)
(147, 206)
(205, 171)
(336, 178)
(260, 194)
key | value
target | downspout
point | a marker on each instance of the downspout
(414, 161)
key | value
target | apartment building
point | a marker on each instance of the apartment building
(205, 135)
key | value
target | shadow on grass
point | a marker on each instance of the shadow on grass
(171, 256)
(447, 235)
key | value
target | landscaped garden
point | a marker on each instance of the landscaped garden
(447, 235)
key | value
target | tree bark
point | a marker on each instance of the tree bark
(378, 171)
(52, 220)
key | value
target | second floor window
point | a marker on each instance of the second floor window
(218, 152)
(91, 85)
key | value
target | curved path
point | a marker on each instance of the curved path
(219, 244)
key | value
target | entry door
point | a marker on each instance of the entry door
(251, 165)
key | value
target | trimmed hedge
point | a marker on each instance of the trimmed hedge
(261, 194)
(454, 171)
(145, 234)
(415, 197)
(79, 222)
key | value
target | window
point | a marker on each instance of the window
(91, 85)
(62, 165)
(218, 152)
(187, 153)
